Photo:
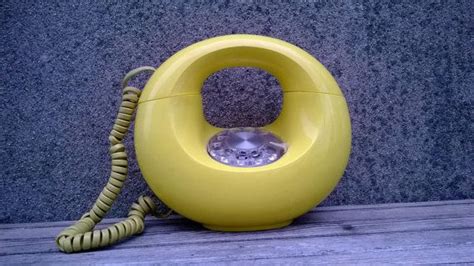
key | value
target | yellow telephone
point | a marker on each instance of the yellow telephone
(239, 179)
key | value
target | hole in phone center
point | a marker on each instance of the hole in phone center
(241, 97)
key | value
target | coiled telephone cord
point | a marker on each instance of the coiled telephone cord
(81, 236)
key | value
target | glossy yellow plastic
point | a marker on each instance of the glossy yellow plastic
(171, 135)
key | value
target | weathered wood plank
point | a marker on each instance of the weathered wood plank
(322, 215)
(435, 232)
(385, 206)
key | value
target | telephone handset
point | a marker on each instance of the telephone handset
(238, 179)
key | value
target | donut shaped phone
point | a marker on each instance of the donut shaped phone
(239, 179)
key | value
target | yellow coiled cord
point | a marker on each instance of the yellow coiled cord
(79, 236)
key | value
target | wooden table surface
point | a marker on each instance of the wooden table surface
(408, 233)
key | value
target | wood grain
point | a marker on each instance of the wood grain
(409, 233)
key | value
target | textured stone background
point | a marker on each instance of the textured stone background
(406, 68)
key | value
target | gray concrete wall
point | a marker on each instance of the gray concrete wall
(406, 68)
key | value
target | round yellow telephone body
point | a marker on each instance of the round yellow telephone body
(171, 135)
